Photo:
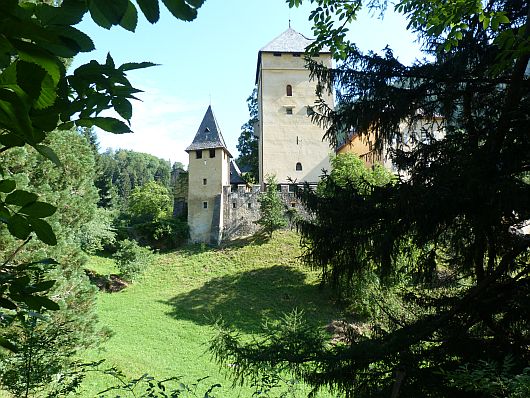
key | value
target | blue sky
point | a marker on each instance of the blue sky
(211, 57)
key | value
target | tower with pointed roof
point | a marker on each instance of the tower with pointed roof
(290, 145)
(209, 172)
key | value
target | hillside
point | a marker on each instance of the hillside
(162, 324)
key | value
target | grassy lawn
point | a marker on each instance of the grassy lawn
(162, 323)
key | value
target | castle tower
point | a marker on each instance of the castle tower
(209, 171)
(290, 145)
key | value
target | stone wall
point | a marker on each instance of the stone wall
(241, 209)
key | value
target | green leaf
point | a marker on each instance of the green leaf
(180, 9)
(48, 153)
(130, 19)
(123, 107)
(38, 302)
(14, 113)
(7, 186)
(5, 303)
(18, 227)
(43, 286)
(135, 65)
(38, 209)
(20, 198)
(74, 39)
(7, 344)
(44, 231)
(30, 77)
(150, 9)
(11, 140)
(107, 13)
(30, 52)
(69, 13)
(47, 303)
(109, 124)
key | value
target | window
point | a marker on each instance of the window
(249, 205)
(204, 181)
(309, 111)
(212, 153)
(293, 204)
(233, 205)
(298, 166)
(289, 111)
(289, 90)
(204, 205)
(277, 54)
(296, 54)
(198, 154)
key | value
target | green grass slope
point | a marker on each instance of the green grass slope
(162, 323)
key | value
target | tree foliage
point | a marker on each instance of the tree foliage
(37, 97)
(247, 143)
(271, 208)
(121, 171)
(461, 199)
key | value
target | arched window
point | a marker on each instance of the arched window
(298, 166)
(289, 90)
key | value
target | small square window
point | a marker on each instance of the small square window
(289, 111)
(212, 153)
(204, 205)
(198, 154)
(204, 181)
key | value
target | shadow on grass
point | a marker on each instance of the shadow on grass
(243, 300)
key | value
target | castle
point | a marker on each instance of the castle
(220, 204)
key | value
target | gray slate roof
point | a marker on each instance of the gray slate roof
(209, 134)
(235, 174)
(289, 41)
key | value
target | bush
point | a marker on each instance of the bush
(162, 234)
(98, 233)
(132, 259)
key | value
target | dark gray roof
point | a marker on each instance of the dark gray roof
(209, 134)
(289, 41)
(235, 174)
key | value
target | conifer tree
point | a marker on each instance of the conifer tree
(271, 208)
(462, 200)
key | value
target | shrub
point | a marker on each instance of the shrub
(132, 259)
(98, 233)
(162, 234)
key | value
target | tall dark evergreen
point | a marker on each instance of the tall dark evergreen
(461, 202)
(247, 143)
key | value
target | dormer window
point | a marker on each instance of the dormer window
(198, 154)
(289, 90)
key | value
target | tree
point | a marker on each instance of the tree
(271, 208)
(37, 97)
(47, 344)
(150, 202)
(461, 200)
(247, 143)
(121, 171)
